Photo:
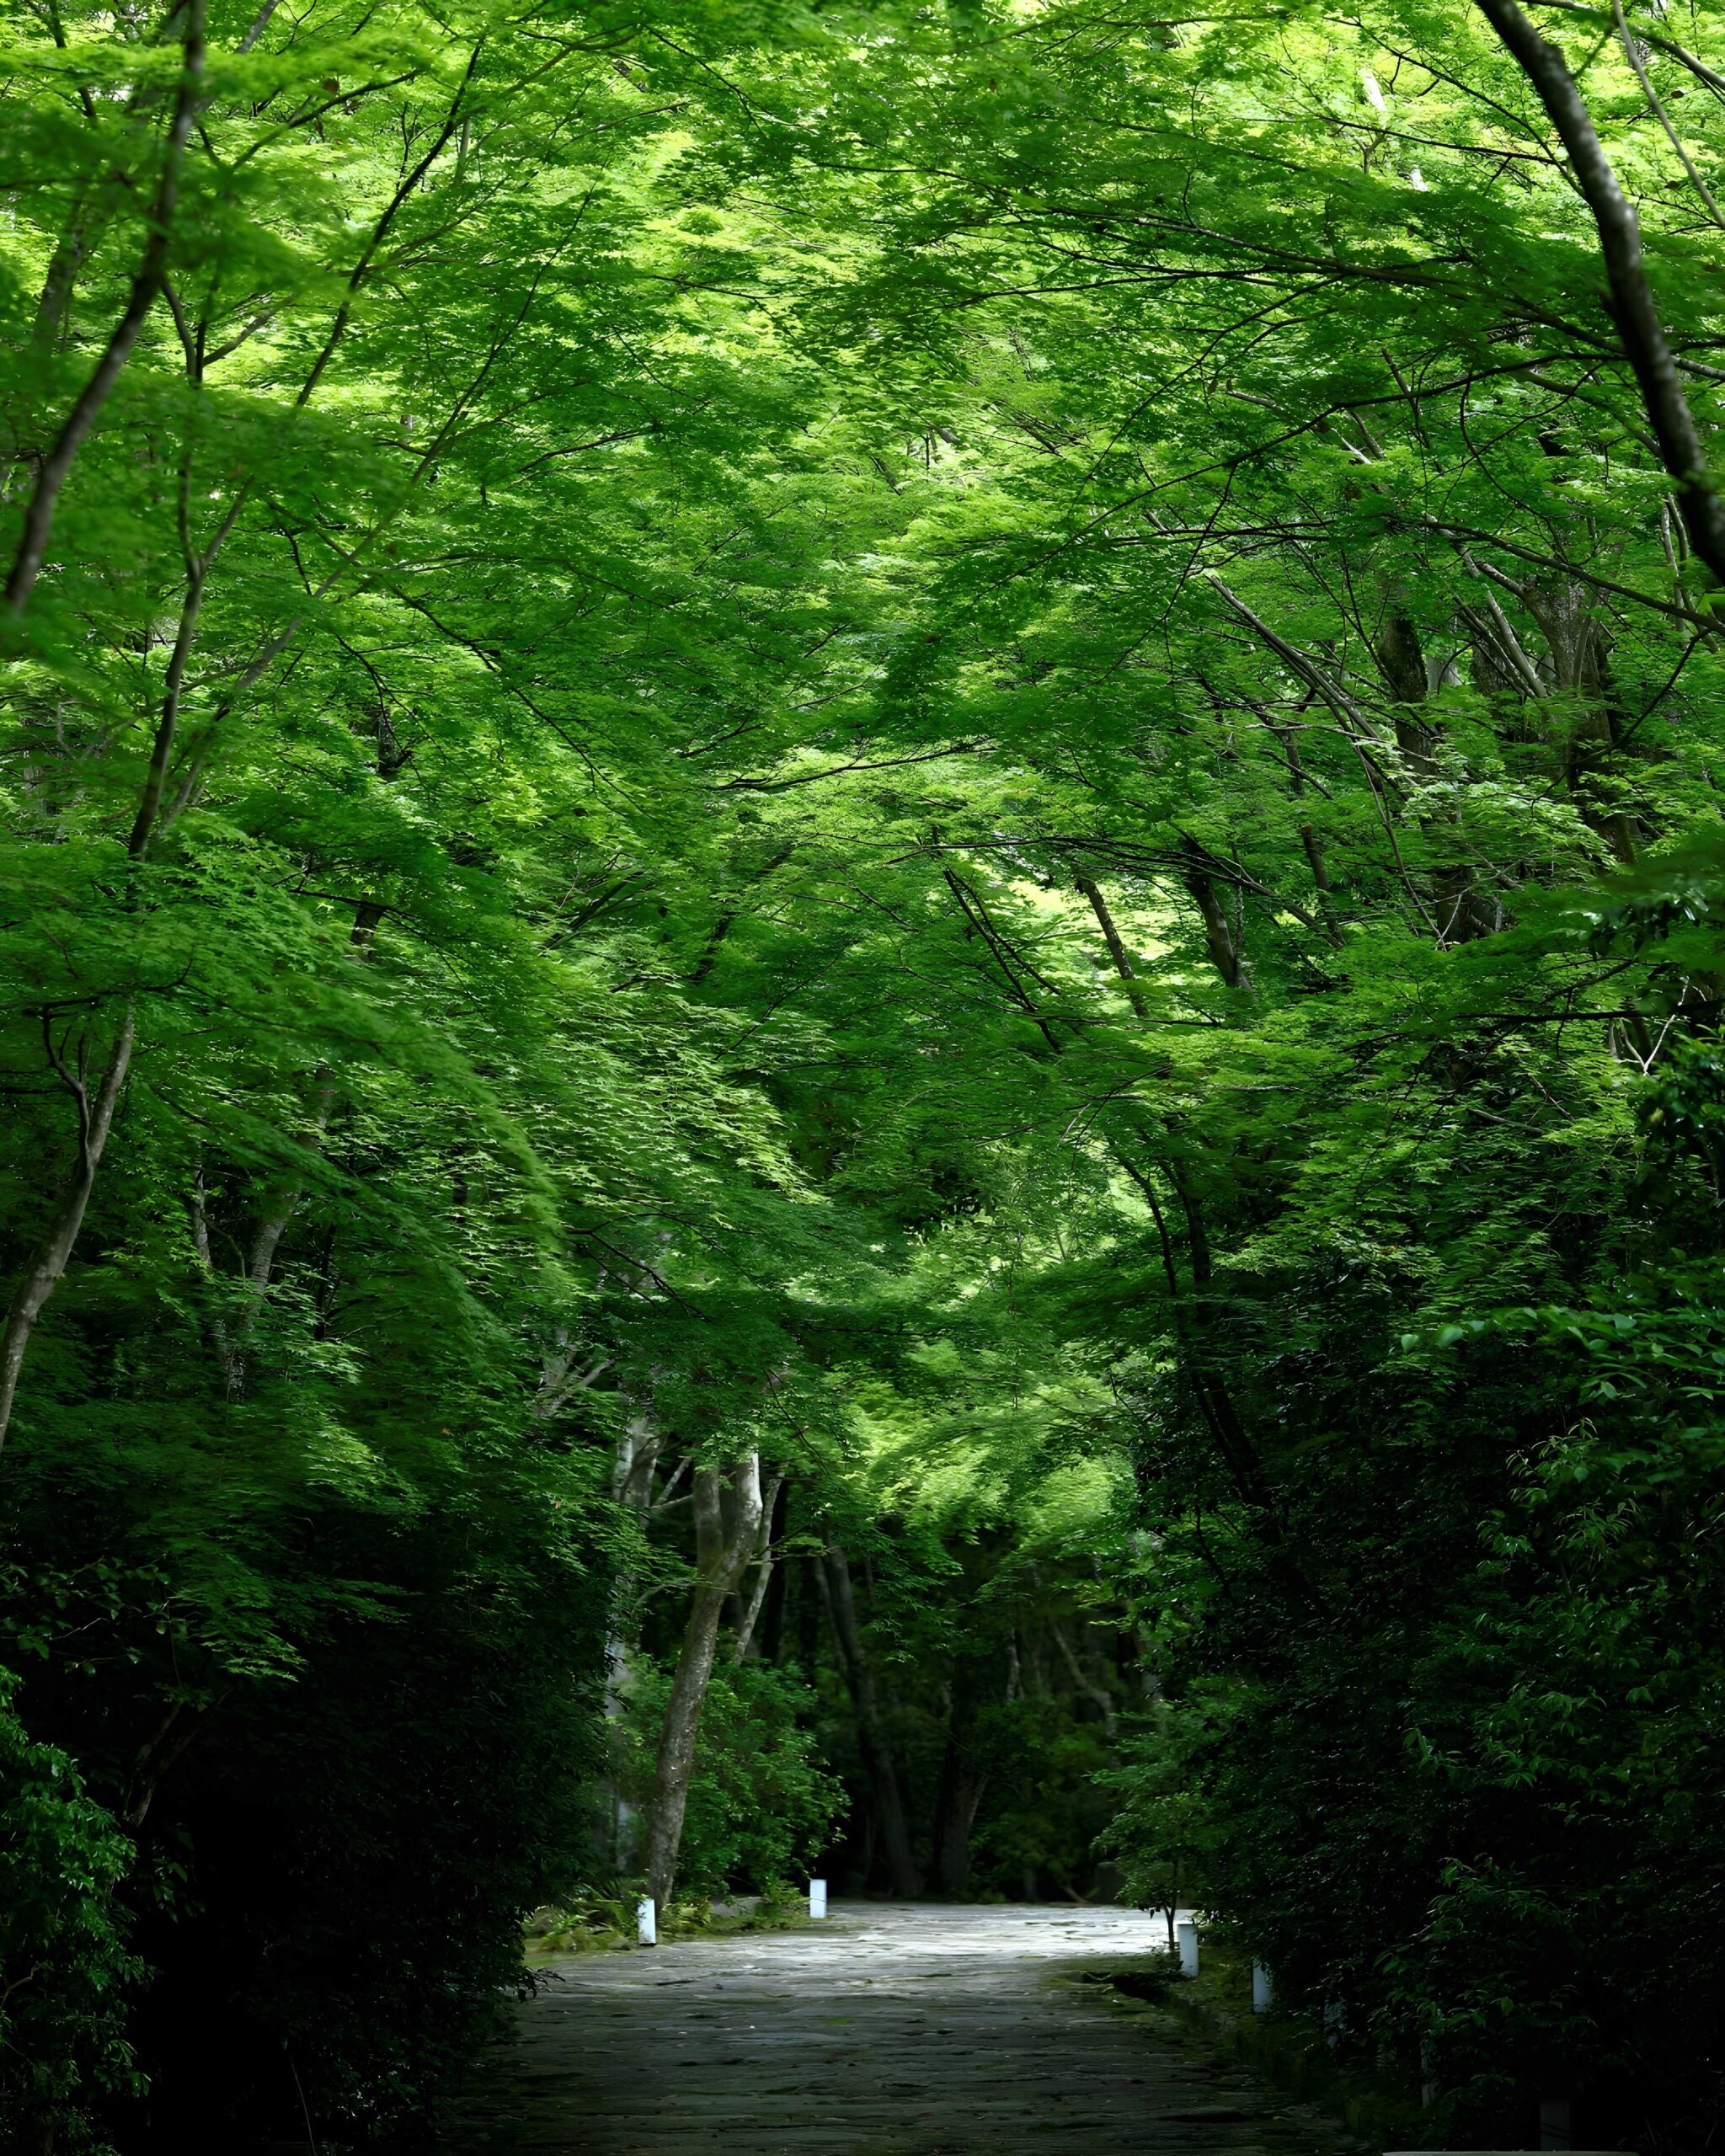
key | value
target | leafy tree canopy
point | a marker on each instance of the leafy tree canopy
(874, 847)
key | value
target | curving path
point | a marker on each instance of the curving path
(889, 2030)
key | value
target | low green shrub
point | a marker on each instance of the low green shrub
(65, 1970)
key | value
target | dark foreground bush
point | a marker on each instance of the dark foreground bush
(64, 1968)
(333, 1855)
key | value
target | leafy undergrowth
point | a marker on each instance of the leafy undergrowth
(602, 1924)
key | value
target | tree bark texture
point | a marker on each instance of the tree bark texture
(632, 1467)
(1221, 935)
(721, 1557)
(749, 1611)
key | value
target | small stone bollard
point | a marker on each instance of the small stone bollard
(1186, 1939)
(1263, 1988)
(647, 1921)
(817, 1897)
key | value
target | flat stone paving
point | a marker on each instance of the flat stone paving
(891, 2029)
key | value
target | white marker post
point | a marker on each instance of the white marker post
(647, 1921)
(817, 1897)
(1186, 1939)
(1263, 1988)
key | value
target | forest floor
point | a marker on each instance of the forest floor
(890, 2030)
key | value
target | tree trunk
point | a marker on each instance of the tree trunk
(772, 1615)
(637, 1456)
(749, 1612)
(1111, 935)
(1219, 934)
(1464, 913)
(963, 1780)
(677, 1742)
(1631, 306)
(146, 285)
(720, 1561)
(811, 1584)
(885, 1797)
(1086, 1682)
(95, 1118)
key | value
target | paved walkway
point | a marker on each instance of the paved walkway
(888, 2030)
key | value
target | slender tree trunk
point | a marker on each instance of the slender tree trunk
(1091, 1686)
(1463, 912)
(1631, 306)
(197, 578)
(962, 1786)
(1309, 841)
(60, 281)
(720, 1559)
(95, 1118)
(1220, 936)
(811, 1593)
(749, 1614)
(963, 1780)
(676, 1743)
(884, 1796)
(638, 1452)
(1111, 935)
(772, 1615)
(146, 286)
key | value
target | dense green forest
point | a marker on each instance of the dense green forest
(860, 1001)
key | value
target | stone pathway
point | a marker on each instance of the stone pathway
(891, 2029)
